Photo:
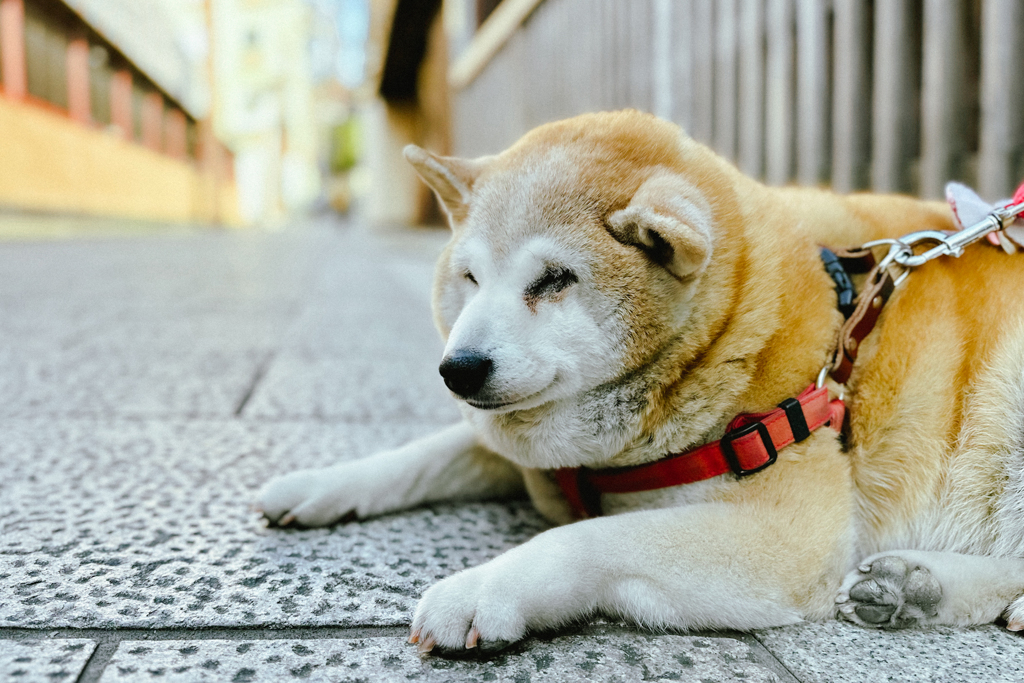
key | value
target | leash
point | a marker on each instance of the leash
(904, 255)
(752, 441)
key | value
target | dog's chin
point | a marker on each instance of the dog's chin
(507, 405)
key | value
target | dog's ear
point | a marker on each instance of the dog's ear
(669, 220)
(450, 178)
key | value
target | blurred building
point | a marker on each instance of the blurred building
(104, 110)
(407, 69)
(163, 110)
(263, 102)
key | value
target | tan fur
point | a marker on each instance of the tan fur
(714, 301)
(762, 323)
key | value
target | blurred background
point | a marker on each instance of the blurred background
(253, 112)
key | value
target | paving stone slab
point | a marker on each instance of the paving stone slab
(356, 389)
(32, 661)
(130, 379)
(51, 326)
(143, 523)
(208, 266)
(364, 347)
(835, 652)
(565, 659)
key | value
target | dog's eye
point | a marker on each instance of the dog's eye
(469, 276)
(553, 281)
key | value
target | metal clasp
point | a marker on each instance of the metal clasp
(902, 250)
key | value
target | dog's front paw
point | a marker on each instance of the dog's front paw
(889, 592)
(309, 498)
(473, 611)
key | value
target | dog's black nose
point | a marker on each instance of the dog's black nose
(465, 372)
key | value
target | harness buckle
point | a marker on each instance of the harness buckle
(730, 453)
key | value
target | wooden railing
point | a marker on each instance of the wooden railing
(887, 95)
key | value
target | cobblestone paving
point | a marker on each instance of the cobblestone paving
(149, 385)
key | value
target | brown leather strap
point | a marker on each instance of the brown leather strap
(876, 293)
(856, 261)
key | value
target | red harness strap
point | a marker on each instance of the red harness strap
(751, 443)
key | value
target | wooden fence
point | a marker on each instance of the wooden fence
(887, 95)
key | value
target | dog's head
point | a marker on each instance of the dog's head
(577, 255)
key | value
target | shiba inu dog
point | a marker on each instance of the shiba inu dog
(614, 293)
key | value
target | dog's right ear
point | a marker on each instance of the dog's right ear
(670, 221)
(450, 178)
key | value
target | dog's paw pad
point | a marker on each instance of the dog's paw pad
(890, 593)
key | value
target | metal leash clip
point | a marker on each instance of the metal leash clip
(902, 251)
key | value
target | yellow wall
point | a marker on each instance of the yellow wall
(50, 163)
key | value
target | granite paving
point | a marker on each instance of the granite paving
(53, 660)
(836, 651)
(145, 523)
(150, 383)
(566, 659)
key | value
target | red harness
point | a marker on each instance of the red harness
(751, 443)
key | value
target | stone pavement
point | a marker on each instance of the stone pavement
(148, 386)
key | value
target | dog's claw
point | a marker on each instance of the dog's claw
(426, 645)
(1015, 626)
(286, 520)
(472, 638)
(414, 637)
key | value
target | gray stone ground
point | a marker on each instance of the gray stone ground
(149, 384)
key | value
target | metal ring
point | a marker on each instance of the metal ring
(822, 376)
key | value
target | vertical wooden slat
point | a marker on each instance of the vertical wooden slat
(153, 121)
(79, 107)
(546, 38)
(121, 103)
(751, 90)
(14, 78)
(560, 64)
(682, 46)
(1001, 163)
(622, 49)
(703, 70)
(640, 49)
(851, 99)
(176, 134)
(812, 142)
(607, 58)
(515, 114)
(894, 119)
(724, 124)
(589, 98)
(661, 56)
(780, 75)
(943, 95)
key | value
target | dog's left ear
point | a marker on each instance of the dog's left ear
(669, 220)
(450, 178)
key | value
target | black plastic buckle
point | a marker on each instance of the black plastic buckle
(797, 422)
(730, 455)
(845, 293)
